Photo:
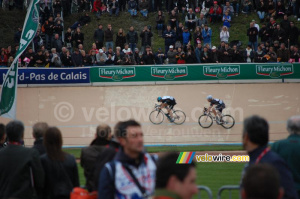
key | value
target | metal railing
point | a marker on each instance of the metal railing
(230, 188)
(206, 189)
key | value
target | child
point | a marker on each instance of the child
(226, 20)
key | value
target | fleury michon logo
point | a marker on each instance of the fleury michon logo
(221, 72)
(117, 74)
(169, 73)
(274, 71)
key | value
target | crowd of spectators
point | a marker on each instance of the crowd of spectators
(116, 164)
(188, 39)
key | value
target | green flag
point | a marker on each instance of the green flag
(9, 87)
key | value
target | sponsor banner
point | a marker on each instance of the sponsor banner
(274, 71)
(50, 76)
(169, 73)
(117, 74)
(222, 72)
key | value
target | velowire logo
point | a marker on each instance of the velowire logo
(274, 71)
(117, 74)
(221, 72)
(169, 73)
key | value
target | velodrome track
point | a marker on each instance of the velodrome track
(78, 110)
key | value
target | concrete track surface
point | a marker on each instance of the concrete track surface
(78, 110)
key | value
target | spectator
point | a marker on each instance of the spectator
(261, 181)
(261, 10)
(3, 58)
(82, 21)
(288, 148)
(55, 58)
(48, 30)
(206, 34)
(109, 37)
(197, 36)
(206, 5)
(175, 180)
(226, 54)
(77, 58)
(129, 160)
(249, 54)
(171, 55)
(132, 8)
(259, 56)
(271, 55)
(17, 36)
(224, 34)
(78, 37)
(148, 56)
(280, 10)
(236, 6)
(66, 59)
(247, 6)
(57, 43)
(97, 8)
(20, 166)
(190, 56)
(264, 34)
(191, 20)
(144, 7)
(179, 35)
(295, 55)
(271, 9)
(146, 36)
(83, 5)
(255, 141)
(226, 20)
(89, 154)
(101, 58)
(187, 37)
(99, 36)
(169, 36)
(285, 24)
(237, 57)
(279, 34)
(160, 23)
(252, 33)
(113, 7)
(132, 38)
(60, 167)
(118, 59)
(214, 55)
(47, 59)
(205, 56)
(229, 9)
(180, 56)
(215, 12)
(283, 54)
(159, 57)
(127, 50)
(294, 34)
(3, 142)
(137, 58)
(202, 20)
(39, 59)
(121, 38)
(85, 58)
(198, 52)
(173, 19)
(57, 7)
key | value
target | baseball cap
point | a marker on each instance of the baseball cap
(213, 48)
(171, 46)
(100, 51)
(215, 2)
(136, 49)
(253, 20)
(159, 48)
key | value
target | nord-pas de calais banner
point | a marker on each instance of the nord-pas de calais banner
(51, 76)
(9, 86)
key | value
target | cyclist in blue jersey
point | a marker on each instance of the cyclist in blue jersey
(167, 102)
(220, 105)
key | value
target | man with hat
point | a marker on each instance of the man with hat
(171, 55)
(215, 12)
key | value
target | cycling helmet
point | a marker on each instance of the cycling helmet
(158, 99)
(209, 97)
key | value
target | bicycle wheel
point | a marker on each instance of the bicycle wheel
(179, 117)
(156, 117)
(228, 121)
(205, 121)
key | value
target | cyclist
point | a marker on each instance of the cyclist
(220, 105)
(167, 102)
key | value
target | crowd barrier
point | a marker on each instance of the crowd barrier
(159, 74)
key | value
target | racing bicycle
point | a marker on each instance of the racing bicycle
(157, 116)
(206, 120)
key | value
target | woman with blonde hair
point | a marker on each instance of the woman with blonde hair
(121, 38)
(224, 34)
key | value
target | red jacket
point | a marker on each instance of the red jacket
(217, 12)
(97, 6)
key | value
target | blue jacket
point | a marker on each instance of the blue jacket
(286, 178)
(116, 182)
(169, 40)
(186, 37)
(206, 35)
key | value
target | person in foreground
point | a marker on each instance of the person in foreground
(261, 181)
(21, 172)
(255, 142)
(175, 181)
(132, 173)
(289, 149)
